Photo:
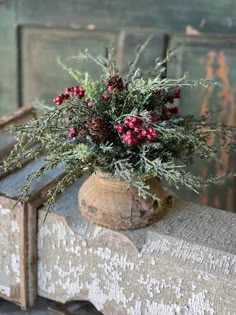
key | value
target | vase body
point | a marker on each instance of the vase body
(108, 203)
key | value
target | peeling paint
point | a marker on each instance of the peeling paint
(138, 284)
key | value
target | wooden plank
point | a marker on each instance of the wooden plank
(43, 78)
(24, 257)
(17, 117)
(10, 186)
(209, 16)
(10, 243)
(209, 57)
(8, 78)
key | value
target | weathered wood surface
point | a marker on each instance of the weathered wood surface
(7, 140)
(209, 16)
(47, 307)
(8, 58)
(183, 264)
(10, 186)
(18, 225)
(45, 79)
(18, 233)
(209, 57)
(127, 44)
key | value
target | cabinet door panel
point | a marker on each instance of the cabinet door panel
(42, 77)
(210, 58)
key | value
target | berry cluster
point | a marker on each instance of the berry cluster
(73, 133)
(172, 97)
(133, 131)
(114, 82)
(75, 91)
(168, 113)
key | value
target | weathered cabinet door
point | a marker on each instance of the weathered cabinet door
(34, 33)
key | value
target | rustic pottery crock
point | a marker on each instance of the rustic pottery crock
(108, 203)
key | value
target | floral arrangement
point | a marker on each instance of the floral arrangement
(127, 126)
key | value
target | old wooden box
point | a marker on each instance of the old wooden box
(18, 258)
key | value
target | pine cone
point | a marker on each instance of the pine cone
(82, 134)
(116, 82)
(99, 130)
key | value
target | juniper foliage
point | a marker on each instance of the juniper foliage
(145, 134)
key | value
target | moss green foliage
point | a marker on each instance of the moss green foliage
(89, 132)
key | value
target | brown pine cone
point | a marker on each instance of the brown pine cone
(116, 82)
(99, 130)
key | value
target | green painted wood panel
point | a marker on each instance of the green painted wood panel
(170, 15)
(128, 42)
(209, 57)
(42, 77)
(8, 58)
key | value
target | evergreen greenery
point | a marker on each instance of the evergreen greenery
(128, 127)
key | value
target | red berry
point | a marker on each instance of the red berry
(110, 88)
(68, 90)
(154, 134)
(105, 97)
(149, 136)
(153, 118)
(58, 100)
(120, 128)
(150, 129)
(129, 142)
(144, 132)
(81, 93)
(76, 88)
(174, 110)
(137, 129)
(73, 129)
(67, 96)
(177, 93)
(131, 124)
(69, 118)
(90, 104)
(127, 121)
(71, 135)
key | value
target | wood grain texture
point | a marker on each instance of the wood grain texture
(17, 117)
(179, 265)
(10, 244)
(169, 15)
(209, 57)
(10, 186)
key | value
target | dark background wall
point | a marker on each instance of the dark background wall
(33, 33)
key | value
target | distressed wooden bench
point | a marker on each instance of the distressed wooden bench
(183, 264)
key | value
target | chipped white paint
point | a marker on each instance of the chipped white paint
(10, 248)
(3, 210)
(167, 277)
(5, 290)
